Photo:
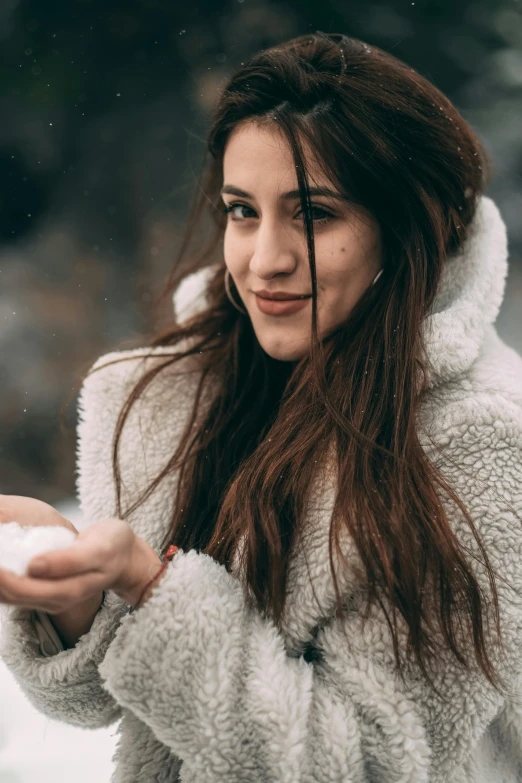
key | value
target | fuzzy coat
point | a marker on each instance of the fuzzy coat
(208, 690)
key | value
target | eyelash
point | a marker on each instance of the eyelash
(231, 207)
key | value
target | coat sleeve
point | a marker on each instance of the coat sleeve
(65, 684)
(212, 678)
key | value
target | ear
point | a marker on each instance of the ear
(190, 297)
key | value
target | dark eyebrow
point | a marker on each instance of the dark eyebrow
(291, 194)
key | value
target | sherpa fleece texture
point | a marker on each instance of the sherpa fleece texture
(210, 691)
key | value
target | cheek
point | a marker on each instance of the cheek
(343, 258)
(227, 246)
(334, 264)
(235, 254)
(341, 276)
(234, 246)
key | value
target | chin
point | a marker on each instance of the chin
(281, 352)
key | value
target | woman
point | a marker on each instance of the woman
(341, 473)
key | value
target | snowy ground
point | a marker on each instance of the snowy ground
(34, 748)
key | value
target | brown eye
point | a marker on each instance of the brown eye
(327, 215)
(322, 220)
(230, 209)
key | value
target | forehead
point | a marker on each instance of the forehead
(256, 150)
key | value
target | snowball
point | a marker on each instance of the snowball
(19, 544)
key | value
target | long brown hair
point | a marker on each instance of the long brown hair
(397, 147)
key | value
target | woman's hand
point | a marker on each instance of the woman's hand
(105, 555)
(31, 512)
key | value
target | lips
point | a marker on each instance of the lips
(280, 295)
(281, 306)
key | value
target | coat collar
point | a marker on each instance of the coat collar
(468, 300)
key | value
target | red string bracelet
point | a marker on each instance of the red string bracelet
(171, 551)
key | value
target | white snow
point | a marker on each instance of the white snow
(36, 748)
(20, 544)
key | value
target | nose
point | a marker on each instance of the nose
(275, 250)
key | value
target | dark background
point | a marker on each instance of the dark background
(104, 109)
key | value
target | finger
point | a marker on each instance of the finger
(9, 509)
(47, 595)
(6, 515)
(79, 558)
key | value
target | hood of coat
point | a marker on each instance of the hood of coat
(468, 301)
(469, 297)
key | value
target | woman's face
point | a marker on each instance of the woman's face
(265, 242)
